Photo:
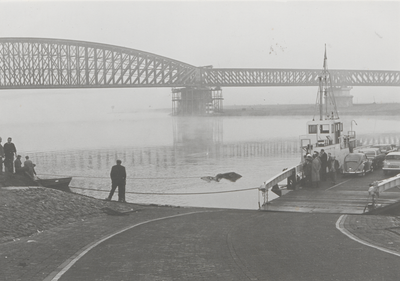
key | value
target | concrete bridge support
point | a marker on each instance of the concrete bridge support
(196, 100)
(343, 97)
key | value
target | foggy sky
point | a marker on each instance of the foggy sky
(241, 34)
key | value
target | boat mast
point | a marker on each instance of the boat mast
(325, 83)
(324, 90)
(320, 98)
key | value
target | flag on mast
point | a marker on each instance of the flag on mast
(325, 59)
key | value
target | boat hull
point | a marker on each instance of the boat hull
(56, 183)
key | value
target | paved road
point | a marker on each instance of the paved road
(235, 245)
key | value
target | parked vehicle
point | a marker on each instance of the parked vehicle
(376, 155)
(391, 163)
(385, 148)
(357, 163)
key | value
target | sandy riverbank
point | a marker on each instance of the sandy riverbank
(28, 210)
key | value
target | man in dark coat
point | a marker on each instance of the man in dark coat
(29, 167)
(324, 164)
(118, 179)
(18, 165)
(9, 151)
(1, 157)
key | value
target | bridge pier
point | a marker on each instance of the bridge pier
(343, 97)
(196, 101)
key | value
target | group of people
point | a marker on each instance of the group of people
(318, 167)
(7, 153)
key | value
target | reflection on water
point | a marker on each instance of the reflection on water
(166, 154)
(197, 136)
(173, 169)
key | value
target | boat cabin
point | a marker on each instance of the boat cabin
(327, 133)
(324, 132)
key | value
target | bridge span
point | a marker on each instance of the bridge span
(44, 63)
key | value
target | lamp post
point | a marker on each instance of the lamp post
(352, 124)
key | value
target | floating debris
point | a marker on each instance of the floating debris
(232, 176)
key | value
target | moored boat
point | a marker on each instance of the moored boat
(326, 132)
(56, 183)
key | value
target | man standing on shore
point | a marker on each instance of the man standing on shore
(18, 165)
(29, 167)
(9, 151)
(118, 179)
(1, 157)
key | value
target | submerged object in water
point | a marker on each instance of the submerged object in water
(232, 176)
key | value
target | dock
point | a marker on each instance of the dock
(348, 196)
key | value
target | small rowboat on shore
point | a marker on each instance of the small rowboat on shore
(56, 183)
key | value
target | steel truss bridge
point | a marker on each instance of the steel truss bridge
(29, 63)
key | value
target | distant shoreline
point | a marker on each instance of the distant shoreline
(369, 109)
(309, 110)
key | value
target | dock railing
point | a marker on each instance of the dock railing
(293, 176)
(383, 185)
(378, 187)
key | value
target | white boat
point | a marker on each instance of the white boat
(326, 131)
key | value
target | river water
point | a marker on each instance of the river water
(165, 155)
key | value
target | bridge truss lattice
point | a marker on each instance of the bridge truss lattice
(53, 63)
(296, 77)
(29, 63)
(57, 63)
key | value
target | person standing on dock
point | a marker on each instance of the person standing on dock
(9, 151)
(315, 170)
(118, 179)
(307, 169)
(333, 165)
(324, 164)
(1, 156)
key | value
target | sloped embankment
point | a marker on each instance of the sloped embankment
(24, 210)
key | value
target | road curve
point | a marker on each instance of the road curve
(234, 245)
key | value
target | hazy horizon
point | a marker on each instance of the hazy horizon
(360, 35)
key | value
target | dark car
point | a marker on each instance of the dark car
(357, 163)
(376, 155)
